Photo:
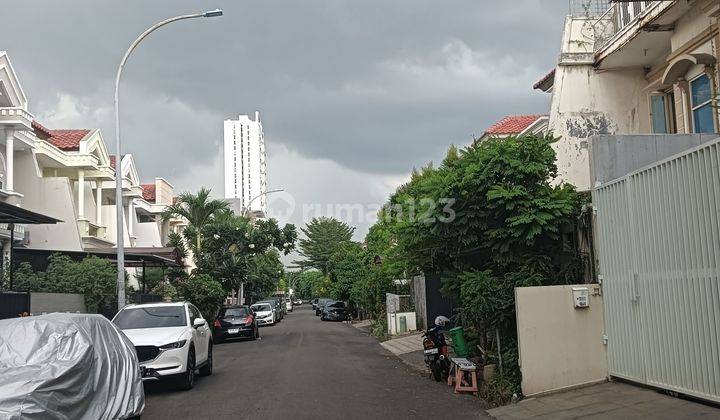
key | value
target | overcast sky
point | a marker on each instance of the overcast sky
(353, 94)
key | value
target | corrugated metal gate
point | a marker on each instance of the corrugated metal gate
(659, 250)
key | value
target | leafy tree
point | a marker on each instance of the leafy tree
(176, 275)
(347, 266)
(199, 210)
(264, 275)
(323, 236)
(307, 283)
(205, 293)
(232, 241)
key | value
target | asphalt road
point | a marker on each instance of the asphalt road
(303, 368)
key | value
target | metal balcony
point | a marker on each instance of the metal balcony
(619, 17)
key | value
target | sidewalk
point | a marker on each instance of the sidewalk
(612, 400)
(409, 349)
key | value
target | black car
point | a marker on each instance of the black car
(314, 303)
(235, 322)
(334, 311)
(321, 304)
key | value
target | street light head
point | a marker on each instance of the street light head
(213, 13)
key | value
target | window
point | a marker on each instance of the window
(194, 313)
(662, 112)
(151, 317)
(659, 115)
(701, 101)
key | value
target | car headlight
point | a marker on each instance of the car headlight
(175, 345)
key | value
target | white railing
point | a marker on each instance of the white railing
(19, 230)
(589, 8)
(616, 19)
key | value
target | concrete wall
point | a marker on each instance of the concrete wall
(613, 157)
(418, 295)
(393, 321)
(559, 346)
(56, 302)
(50, 196)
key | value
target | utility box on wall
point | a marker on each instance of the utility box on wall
(581, 297)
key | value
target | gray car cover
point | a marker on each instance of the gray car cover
(67, 366)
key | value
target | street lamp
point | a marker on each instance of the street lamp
(246, 209)
(118, 162)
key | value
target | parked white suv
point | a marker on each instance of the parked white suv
(172, 340)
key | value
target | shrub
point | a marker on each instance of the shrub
(204, 292)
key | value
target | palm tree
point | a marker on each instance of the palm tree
(198, 209)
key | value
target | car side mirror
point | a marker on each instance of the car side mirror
(199, 322)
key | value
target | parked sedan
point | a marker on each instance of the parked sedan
(172, 341)
(235, 322)
(264, 313)
(277, 311)
(321, 302)
(68, 366)
(334, 311)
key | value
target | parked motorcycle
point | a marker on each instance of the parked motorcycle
(436, 349)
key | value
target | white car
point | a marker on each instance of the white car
(172, 340)
(264, 313)
(289, 305)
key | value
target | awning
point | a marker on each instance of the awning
(13, 214)
(39, 258)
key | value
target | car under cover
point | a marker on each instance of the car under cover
(67, 366)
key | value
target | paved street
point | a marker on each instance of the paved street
(304, 368)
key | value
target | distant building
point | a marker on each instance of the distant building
(517, 125)
(245, 168)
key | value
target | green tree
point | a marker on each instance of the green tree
(199, 210)
(232, 241)
(264, 275)
(323, 236)
(348, 265)
(307, 283)
(205, 293)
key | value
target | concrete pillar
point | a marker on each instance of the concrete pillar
(131, 213)
(81, 194)
(98, 204)
(9, 159)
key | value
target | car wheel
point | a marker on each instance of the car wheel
(206, 370)
(187, 381)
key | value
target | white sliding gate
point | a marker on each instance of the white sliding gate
(658, 242)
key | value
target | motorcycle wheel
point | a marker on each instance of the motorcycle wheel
(436, 371)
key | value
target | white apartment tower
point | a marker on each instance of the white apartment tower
(245, 168)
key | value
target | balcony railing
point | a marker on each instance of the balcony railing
(19, 231)
(618, 17)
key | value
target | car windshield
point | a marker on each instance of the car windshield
(336, 305)
(151, 317)
(261, 308)
(234, 312)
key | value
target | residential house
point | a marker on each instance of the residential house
(632, 68)
(68, 174)
(634, 102)
(517, 125)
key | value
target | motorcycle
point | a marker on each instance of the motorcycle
(435, 349)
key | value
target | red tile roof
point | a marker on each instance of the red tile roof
(148, 192)
(514, 124)
(40, 131)
(546, 82)
(67, 139)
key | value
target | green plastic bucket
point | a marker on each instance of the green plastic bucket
(457, 335)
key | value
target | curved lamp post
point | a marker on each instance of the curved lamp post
(246, 209)
(118, 161)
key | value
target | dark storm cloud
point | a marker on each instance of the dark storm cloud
(376, 86)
